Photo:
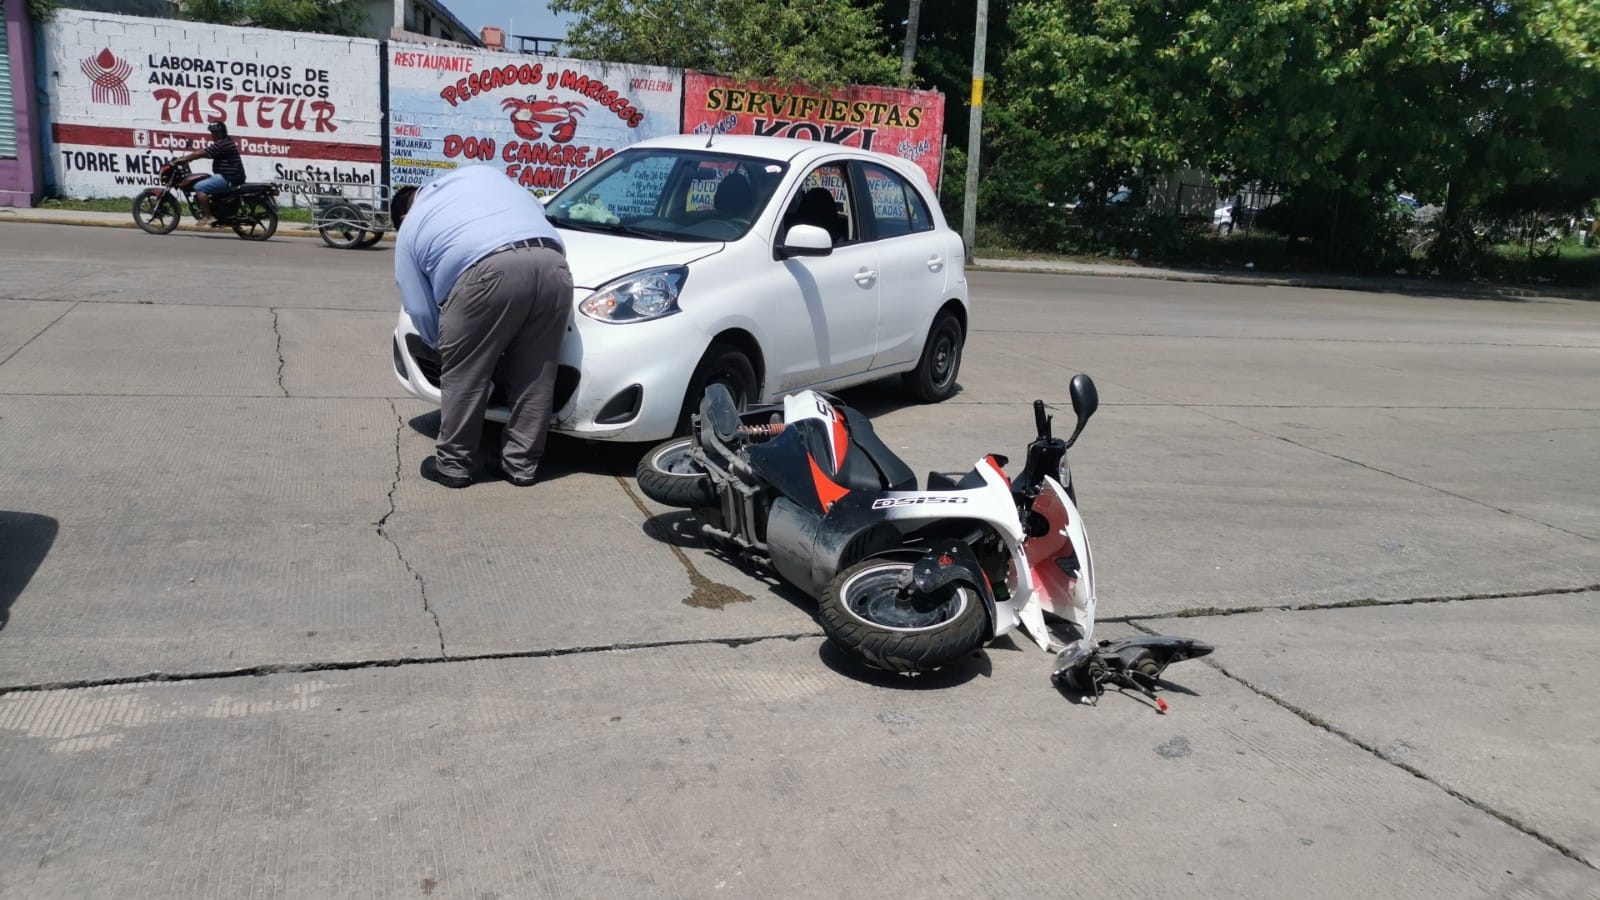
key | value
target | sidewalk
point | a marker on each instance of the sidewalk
(1382, 284)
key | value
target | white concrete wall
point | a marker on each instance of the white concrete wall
(541, 119)
(126, 93)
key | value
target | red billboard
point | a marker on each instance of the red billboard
(898, 122)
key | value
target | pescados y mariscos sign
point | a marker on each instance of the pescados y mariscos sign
(542, 119)
(904, 123)
(131, 93)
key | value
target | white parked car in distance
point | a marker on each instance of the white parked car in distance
(766, 264)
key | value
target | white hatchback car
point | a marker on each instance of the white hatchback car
(766, 264)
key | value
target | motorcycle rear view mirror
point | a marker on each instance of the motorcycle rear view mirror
(1085, 400)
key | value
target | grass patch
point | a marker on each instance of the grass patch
(1204, 611)
(124, 205)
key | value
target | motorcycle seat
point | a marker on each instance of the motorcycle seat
(254, 187)
(872, 466)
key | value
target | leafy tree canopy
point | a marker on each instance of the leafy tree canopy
(820, 42)
(341, 17)
(1348, 100)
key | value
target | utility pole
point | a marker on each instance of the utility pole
(969, 206)
(910, 55)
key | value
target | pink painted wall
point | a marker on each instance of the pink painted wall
(21, 178)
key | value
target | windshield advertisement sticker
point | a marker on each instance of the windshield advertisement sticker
(903, 123)
(129, 94)
(543, 119)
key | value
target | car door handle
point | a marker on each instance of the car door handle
(866, 277)
(935, 263)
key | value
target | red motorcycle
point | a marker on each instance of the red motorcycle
(251, 208)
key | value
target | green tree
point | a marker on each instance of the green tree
(819, 42)
(341, 17)
(1338, 102)
(943, 59)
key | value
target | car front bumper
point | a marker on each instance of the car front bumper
(614, 382)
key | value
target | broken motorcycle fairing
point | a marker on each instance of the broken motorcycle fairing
(907, 577)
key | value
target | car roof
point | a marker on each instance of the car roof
(791, 150)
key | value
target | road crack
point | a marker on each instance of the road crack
(382, 527)
(1317, 721)
(278, 333)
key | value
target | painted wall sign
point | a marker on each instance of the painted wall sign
(903, 123)
(126, 94)
(543, 119)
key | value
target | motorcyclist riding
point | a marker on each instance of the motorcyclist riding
(227, 169)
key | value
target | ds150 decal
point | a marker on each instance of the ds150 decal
(887, 502)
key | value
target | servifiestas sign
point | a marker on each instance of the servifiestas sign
(903, 123)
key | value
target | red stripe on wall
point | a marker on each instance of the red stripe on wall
(292, 148)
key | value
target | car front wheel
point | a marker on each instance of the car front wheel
(723, 364)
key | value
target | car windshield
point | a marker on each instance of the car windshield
(669, 195)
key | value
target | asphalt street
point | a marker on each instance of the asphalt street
(246, 651)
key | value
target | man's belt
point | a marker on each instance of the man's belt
(547, 243)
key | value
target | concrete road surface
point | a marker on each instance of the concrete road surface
(246, 651)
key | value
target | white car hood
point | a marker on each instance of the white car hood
(598, 258)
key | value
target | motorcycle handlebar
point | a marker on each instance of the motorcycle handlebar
(1040, 420)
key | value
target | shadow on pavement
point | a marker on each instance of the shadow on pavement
(27, 539)
(562, 455)
(974, 665)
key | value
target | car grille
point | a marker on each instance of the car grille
(429, 365)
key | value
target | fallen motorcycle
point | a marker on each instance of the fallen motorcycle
(251, 209)
(906, 579)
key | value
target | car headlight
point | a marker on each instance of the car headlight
(645, 295)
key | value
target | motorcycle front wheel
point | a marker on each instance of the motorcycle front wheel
(669, 475)
(156, 213)
(255, 221)
(872, 611)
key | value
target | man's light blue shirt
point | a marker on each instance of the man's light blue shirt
(456, 220)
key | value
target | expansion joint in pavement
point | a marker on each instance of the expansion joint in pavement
(391, 663)
(70, 308)
(1197, 612)
(1382, 471)
(382, 526)
(1313, 719)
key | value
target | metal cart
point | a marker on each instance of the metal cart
(353, 216)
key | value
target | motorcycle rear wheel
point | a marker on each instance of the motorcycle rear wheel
(255, 221)
(866, 612)
(156, 213)
(669, 475)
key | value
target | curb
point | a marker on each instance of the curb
(285, 229)
(1377, 285)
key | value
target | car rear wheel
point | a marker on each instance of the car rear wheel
(934, 378)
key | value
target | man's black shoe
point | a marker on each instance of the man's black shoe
(430, 471)
(518, 480)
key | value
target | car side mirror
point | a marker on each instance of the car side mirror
(1085, 400)
(805, 240)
